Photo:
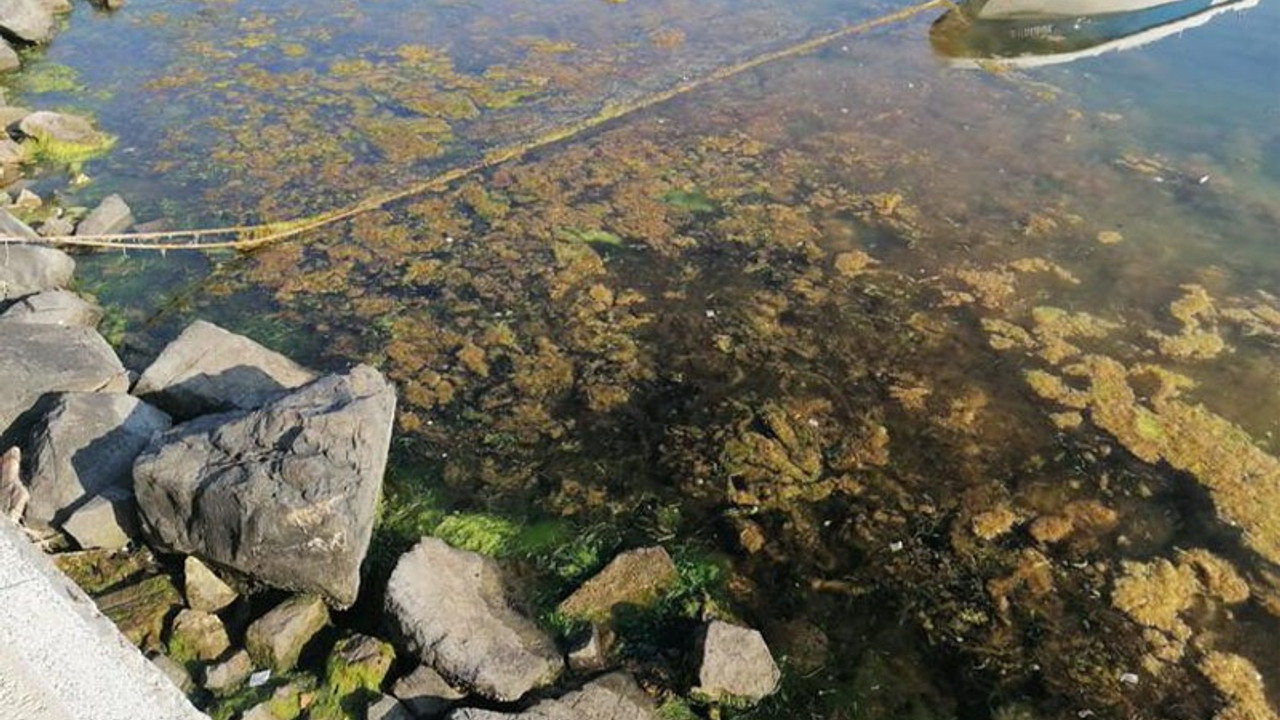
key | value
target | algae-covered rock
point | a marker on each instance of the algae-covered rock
(60, 137)
(612, 697)
(95, 571)
(353, 675)
(276, 639)
(140, 610)
(197, 635)
(636, 577)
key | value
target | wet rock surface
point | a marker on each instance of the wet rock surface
(285, 494)
(636, 578)
(207, 369)
(83, 445)
(452, 610)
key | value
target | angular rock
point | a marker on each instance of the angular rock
(55, 307)
(736, 664)
(27, 200)
(9, 60)
(13, 492)
(358, 663)
(196, 635)
(228, 674)
(29, 269)
(385, 707)
(276, 639)
(29, 20)
(286, 494)
(36, 360)
(205, 590)
(111, 216)
(208, 369)
(140, 609)
(84, 444)
(176, 674)
(108, 520)
(57, 7)
(636, 577)
(612, 697)
(591, 653)
(48, 126)
(452, 609)
(425, 693)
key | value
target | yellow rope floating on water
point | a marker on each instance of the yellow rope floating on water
(250, 237)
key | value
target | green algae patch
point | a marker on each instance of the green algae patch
(67, 153)
(353, 675)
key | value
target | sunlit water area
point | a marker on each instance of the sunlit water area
(946, 352)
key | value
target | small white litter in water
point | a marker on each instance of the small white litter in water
(1129, 678)
(259, 678)
(895, 546)
(711, 313)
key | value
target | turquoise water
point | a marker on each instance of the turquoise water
(922, 369)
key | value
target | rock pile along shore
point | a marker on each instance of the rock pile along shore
(220, 504)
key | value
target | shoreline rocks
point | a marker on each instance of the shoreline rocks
(286, 493)
(451, 608)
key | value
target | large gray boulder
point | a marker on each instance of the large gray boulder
(636, 578)
(612, 697)
(286, 493)
(36, 360)
(30, 20)
(451, 608)
(208, 369)
(84, 445)
(28, 269)
(736, 665)
(55, 307)
(111, 216)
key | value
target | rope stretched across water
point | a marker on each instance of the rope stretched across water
(249, 237)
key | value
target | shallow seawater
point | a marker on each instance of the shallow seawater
(960, 380)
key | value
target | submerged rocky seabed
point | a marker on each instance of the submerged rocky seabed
(890, 365)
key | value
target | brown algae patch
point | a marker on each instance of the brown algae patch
(1241, 687)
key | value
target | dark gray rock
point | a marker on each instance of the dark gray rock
(450, 606)
(36, 360)
(736, 665)
(84, 445)
(286, 493)
(108, 520)
(612, 697)
(29, 269)
(426, 694)
(29, 20)
(54, 307)
(277, 639)
(111, 216)
(208, 369)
